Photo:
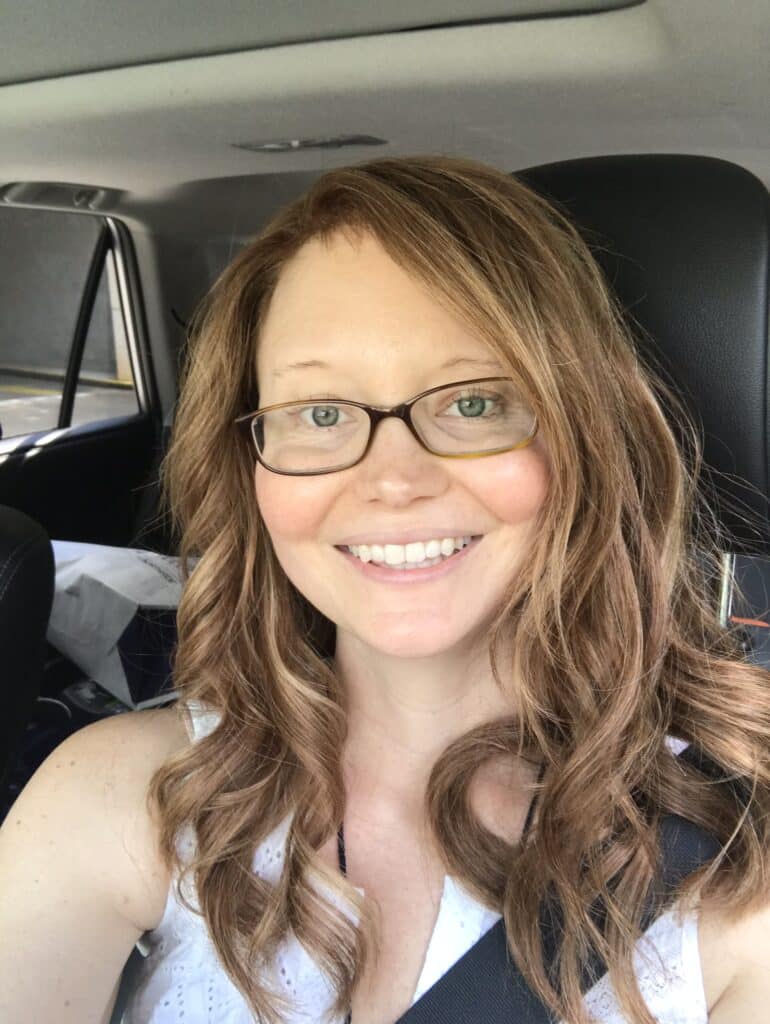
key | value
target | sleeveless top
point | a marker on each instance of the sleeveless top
(181, 980)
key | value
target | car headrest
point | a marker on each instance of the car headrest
(26, 596)
(684, 243)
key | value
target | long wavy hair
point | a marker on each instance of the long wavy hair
(611, 619)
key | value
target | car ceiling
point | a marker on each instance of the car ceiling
(152, 99)
(51, 39)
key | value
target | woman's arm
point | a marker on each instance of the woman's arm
(80, 875)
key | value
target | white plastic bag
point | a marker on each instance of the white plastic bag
(114, 615)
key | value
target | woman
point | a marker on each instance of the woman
(429, 671)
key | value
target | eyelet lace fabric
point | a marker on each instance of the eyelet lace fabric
(668, 968)
(183, 982)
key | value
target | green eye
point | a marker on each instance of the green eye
(329, 410)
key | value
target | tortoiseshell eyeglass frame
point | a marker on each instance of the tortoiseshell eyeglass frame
(376, 414)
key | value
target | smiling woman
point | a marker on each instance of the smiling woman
(374, 695)
(451, 626)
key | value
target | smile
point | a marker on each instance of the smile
(404, 572)
(410, 556)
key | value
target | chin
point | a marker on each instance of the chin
(412, 643)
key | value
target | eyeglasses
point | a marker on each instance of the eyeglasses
(464, 420)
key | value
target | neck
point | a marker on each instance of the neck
(402, 713)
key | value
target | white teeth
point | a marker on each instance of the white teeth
(413, 554)
(394, 554)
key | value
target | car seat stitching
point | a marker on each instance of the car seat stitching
(5, 568)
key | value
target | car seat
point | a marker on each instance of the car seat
(684, 242)
(26, 596)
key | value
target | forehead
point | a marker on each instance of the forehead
(347, 304)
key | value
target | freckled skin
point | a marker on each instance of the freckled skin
(386, 336)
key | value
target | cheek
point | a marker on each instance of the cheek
(516, 489)
(292, 507)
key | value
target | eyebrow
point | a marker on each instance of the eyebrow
(317, 364)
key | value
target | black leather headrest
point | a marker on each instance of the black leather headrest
(27, 573)
(684, 241)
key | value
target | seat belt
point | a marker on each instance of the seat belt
(486, 985)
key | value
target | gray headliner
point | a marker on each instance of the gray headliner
(687, 76)
(668, 75)
(50, 38)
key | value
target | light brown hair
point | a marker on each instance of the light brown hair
(612, 614)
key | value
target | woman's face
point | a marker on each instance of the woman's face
(385, 339)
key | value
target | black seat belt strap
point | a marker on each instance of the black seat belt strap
(486, 986)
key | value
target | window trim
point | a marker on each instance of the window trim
(134, 322)
(114, 241)
(82, 324)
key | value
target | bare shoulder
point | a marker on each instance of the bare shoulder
(735, 958)
(81, 870)
(90, 798)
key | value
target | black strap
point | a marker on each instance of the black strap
(486, 985)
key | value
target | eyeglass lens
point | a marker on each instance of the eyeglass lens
(323, 435)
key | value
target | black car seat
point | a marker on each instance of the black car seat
(26, 596)
(685, 243)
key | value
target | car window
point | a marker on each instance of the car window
(61, 320)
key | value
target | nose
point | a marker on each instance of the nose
(397, 468)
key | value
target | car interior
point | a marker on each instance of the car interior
(143, 149)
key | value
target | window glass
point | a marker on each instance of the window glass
(44, 262)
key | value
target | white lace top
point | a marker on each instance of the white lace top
(182, 981)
